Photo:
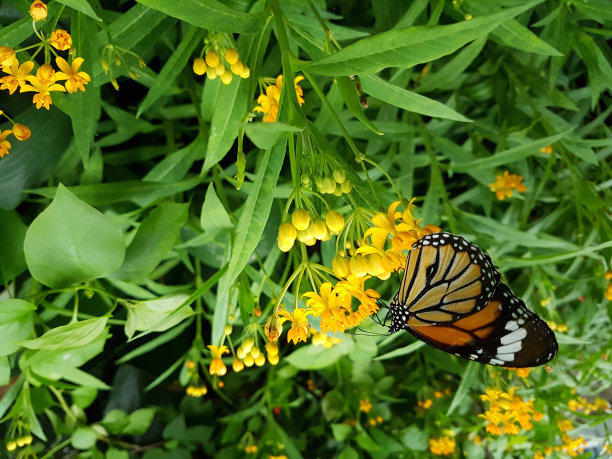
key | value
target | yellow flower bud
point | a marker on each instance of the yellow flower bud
(359, 265)
(115, 84)
(335, 221)
(300, 219)
(11, 445)
(375, 268)
(346, 187)
(319, 183)
(226, 77)
(339, 175)
(7, 56)
(237, 68)
(338, 190)
(271, 348)
(211, 74)
(260, 360)
(319, 229)
(38, 11)
(329, 186)
(341, 266)
(228, 329)
(219, 69)
(255, 352)
(231, 56)
(241, 352)
(245, 73)
(307, 236)
(237, 365)
(21, 131)
(249, 360)
(247, 344)
(199, 66)
(286, 236)
(212, 59)
(285, 246)
(21, 442)
(273, 359)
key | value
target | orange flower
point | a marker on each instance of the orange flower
(17, 75)
(299, 324)
(75, 79)
(21, 131)
(38, 10)
(43, 83)
(7, 56)
(505, 183)
(5, 145)
(217, 367)
(60, 39)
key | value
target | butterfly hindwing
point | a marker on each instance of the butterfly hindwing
(452, 298)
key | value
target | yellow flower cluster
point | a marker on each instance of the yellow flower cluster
(249, 354)
(268, 102)
(336, 183)
(442, 446)
(365, 405)
(425, 404)
(547, 149)
(504, 184)
(20, 442)
(250, 449)
(382, 250)
(507, 409)
(46, 79)
(217, 367)
(376, 420)
(573, 446)
(521, 372)
(196, 391)
(582, 404)
(554, 326)
(308, 230)
(321, 339)
(212, 66)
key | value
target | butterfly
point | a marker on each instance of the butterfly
(452, 297)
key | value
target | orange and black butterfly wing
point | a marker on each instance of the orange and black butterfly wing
(452, 298)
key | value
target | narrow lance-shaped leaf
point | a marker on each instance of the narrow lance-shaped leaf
(406, 48)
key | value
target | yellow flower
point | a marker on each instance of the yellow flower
(60, 39)
(237, 365)
(231, 56)
(217, 367)
(17, 75)
(334, 221)
(365, 405)
(299, 324)
(286, 236)
(547, 149)
(212, 59)
(268, 102)
(442, 446)
(226, 77)
(565, 425)
(5, 145)
(21, 131)
(75, 79)
(504, 184)
(300, 219)
(341, 266)
(426, 404)
(43, 83)
(7, 56)
(38, 10)
(573, 447)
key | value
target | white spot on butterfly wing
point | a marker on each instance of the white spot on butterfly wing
(516, 335)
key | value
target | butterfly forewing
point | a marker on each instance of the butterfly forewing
(452, 298)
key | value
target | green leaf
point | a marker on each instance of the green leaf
(311, 357)
(408, 100)
(172, 67)
(250, 227)
(410, 349)
(12, 235)
(265, 135)
(5, 371)
(83, 397)
(144, 315)
(156, 235)
(332, 405)
(83, 438)
(208, 14)
(348, 90)
(214, 217)
(84, 108)
(71, 242)
(508, 156)
(16, 323)
(468, 379)
(114, 453)
(115, 421)
(110, 193)
(367, 442)
(83, 7)
(32, 161)
(230, 107)
(67, 336)
(405, 48)
(139, 422)
(154, 343)
(341, 431)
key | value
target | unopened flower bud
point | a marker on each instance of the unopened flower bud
(346, 187)
(319, 229)
(300, 219)
(246, 72)
(219, 69)
(199, 66)
(231, 56)
(226, 77)
(335, 221)
(21, 131)
(273, 359)
(237, 68)
(260, 360)
(339, 175)
(341, 266)
(237, 365)
(212, 59)
(247, 344)
(38, 11)
(359, 265)
(249, 360)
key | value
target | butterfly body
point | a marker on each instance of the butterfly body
(452, 297)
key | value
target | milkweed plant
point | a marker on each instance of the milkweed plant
(206, 208)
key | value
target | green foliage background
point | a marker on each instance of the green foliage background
(127, 237)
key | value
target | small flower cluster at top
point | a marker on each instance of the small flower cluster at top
(504, 184)
(269, 98)
(19, 131)
(308, 230)
(19, 435)
(46, 78)
(365, 406)
(216, 45)
(336, 183)
(444, 445)
(507, 409)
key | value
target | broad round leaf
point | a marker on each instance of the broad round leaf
(71, 242)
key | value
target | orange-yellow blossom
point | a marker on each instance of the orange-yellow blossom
(75, 80)
(17, 75)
